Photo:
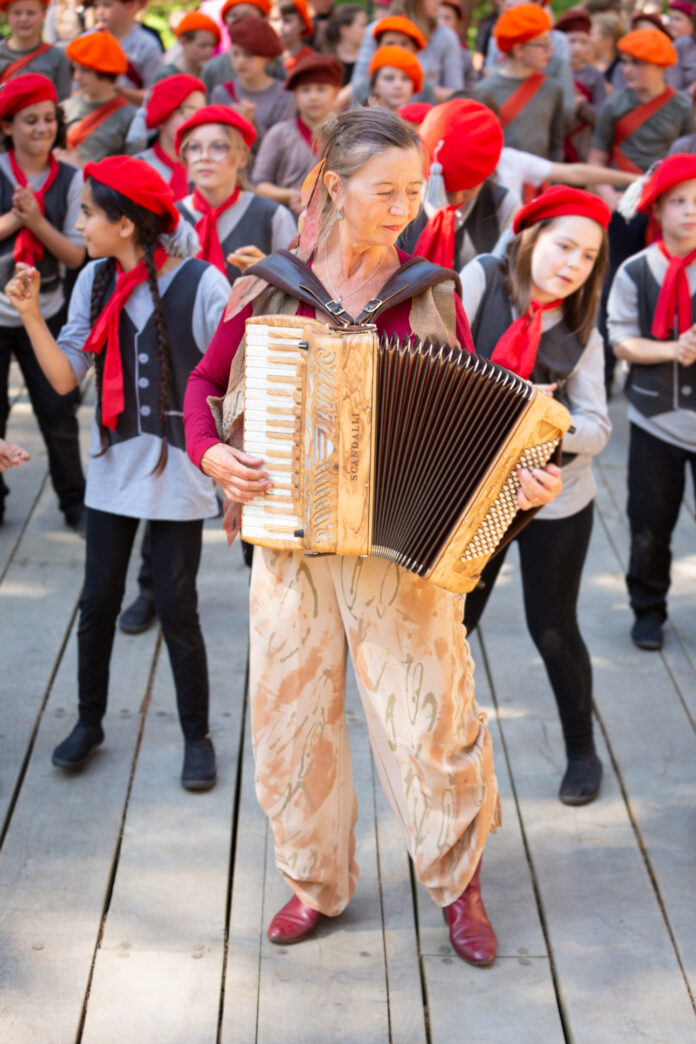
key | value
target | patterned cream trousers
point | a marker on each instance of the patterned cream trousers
(428, 737)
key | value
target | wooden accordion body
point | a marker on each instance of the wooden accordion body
(404, 450)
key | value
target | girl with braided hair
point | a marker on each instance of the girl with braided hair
(142, 312)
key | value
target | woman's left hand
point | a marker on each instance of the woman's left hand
(25, 206)
(538, 486)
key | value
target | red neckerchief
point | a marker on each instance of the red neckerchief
(211, 248)
(437, 240)
(178, 179)
(674, 302)
(28, 248)
(306, 133)
(517, 348)
(105, 331)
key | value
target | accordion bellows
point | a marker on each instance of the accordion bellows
(403, 449)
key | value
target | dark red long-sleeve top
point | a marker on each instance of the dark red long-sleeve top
(211, 375)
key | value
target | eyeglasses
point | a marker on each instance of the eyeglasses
(217, 151)
(545, 45)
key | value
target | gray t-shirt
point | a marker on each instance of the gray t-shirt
(53, 64)
(52, 302)
(273, 104)
(109, 138)
(557, 69)
(143, 52)
(539, 127)
(586, 396)
(677, 426)
(652, 140)
(284, 158)
(121, 481)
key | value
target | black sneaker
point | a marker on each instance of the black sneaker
(647, 632)
(138, 616)
(198, 772)
(74, 752)
(582, 779)
(76, 519)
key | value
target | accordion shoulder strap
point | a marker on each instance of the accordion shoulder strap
(287, 272)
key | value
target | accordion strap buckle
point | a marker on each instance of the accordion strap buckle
(372, 306)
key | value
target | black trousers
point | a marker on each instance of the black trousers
(175, 557)
(55, 413)
(656, 480)
(625, 239)
(552, 556)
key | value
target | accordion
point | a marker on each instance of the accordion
(403, 449)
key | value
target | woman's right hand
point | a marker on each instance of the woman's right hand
(23, 290)
(240, 476)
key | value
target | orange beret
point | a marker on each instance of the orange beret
(519, 25)
(397, 24)
(194, 22)
(99, 51)
(398, 58)
(466, 138)
(264, 6)
(649, 45)
(303, 11)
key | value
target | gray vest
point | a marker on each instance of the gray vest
(254, 228)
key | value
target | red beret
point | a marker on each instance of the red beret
(167, 95)
(562, 201)
(216, 114)
(684, 6)
(649, 45)
(669, 173)
(466, 138)
(256, 36)
(138, 181)
(652, 19)
(264, 7)
(99, 51)
(576, 21)
(398, 24)
(414, 112)
(194, 22)
(398, 58)
(22, 91)
(519, 25)
(317, 68)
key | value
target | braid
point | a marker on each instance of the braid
(163, 352)
(102, 280)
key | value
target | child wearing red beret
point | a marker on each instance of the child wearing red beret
(171, 103)
(39, 203)
(474, 211)
(198, 37)
(98, 116)
(142, 313)
(24, 50)
(141, 48)
(241, 80)
(293, 23)
(235, 227)
(652, 324)
(534, 313)
(288, 151)
(530, 104)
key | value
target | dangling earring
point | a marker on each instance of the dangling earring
(339, 216)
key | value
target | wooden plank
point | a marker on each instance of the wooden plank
(38, 596)
(334, 984)
(514, 999)
(58, 853)
(616, 966)
(163, 942)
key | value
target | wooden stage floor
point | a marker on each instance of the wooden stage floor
(133, 911)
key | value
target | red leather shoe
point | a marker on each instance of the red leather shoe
(471, 933)
(293, 923)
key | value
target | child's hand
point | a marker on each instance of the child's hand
(245, 256)
(246, 109)
(23, 290)
(11, 455)
(546, 389)
(25, 206)
(686, 347)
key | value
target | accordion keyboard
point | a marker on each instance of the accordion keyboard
(275, 368)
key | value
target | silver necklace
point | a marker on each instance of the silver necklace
(340, 300)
